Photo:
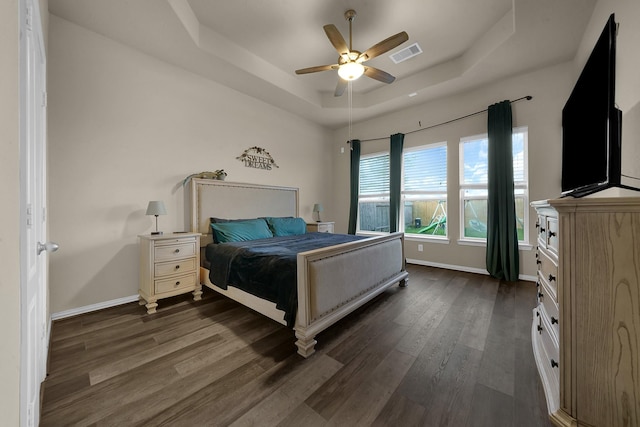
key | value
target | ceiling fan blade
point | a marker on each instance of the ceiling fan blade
(379, 75)
(336, 39)
(340, 87)
(384, 46)
(317, 68)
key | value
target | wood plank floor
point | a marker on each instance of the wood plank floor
(452, 349)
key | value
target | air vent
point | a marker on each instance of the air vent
(406, 53)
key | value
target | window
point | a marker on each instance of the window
(424, 190)
(373, 197)
(473, 185)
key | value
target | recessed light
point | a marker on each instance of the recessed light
(412, 94)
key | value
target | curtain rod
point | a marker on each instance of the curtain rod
(528, 98)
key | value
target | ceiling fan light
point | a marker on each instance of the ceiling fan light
(351, 70)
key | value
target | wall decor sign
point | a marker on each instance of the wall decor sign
(258, 158)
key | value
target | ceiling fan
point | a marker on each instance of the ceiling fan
(350, 61)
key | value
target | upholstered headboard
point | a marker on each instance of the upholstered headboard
(234, 200)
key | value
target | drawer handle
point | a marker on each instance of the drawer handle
(553, 320)
(552, 278)
(538, 262)
(542, 229)
(538, 284)
(537, 314)
(177, 267)
(537, 224)
(177, 283)
(540, 295)
(540, 329)
(554, 364)
(552, 233)
(176, 251)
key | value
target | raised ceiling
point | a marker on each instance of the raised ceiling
(254, 46)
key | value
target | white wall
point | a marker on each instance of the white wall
(9, 214)
(126, 128)
(549, 88)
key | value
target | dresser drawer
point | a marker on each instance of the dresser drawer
(325, 228)
(180, 266)
(541, 225)
(549, 309)
(549, 345)
(320, 227)
(178, 283)
(175, 251)
(552, 234)
(548, 272)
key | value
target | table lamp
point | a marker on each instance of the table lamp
(155, 208)
(318, 208)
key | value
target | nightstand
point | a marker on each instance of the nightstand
(320, 227)
(169, 265)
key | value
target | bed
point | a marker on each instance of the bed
(331, 282)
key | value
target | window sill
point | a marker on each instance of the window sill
(431, 239)
(522, 246)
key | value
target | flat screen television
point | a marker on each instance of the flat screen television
(591, 123)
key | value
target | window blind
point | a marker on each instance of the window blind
(374, 175)
(425, 170)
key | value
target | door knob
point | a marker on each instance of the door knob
(49, 247)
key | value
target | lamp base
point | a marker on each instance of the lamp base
(156, 233)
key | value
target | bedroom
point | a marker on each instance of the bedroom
(126, 128)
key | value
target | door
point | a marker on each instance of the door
(33, 274)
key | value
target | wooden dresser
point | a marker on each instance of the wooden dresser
(169, 266)
(320, 227)
(586, 325)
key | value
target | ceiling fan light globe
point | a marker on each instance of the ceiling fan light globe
(351, 71)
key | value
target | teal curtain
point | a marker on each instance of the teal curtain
(503, 258)
(355, 185)
(395, 180)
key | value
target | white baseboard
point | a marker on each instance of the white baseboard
(94, 307)
(125, 300)
(463, 268)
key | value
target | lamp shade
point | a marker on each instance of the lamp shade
(156, 207)
(318, 207)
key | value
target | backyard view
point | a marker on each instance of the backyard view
(424, 192)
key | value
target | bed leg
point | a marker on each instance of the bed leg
(306, 345)
(404, 283)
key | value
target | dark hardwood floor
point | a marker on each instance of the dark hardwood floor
(452, 349)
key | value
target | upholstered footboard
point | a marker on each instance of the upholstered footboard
(334, 281)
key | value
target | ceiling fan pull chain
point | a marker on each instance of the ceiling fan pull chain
(350, 102)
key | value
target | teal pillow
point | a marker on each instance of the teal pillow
(287, 226)
(240, 231)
